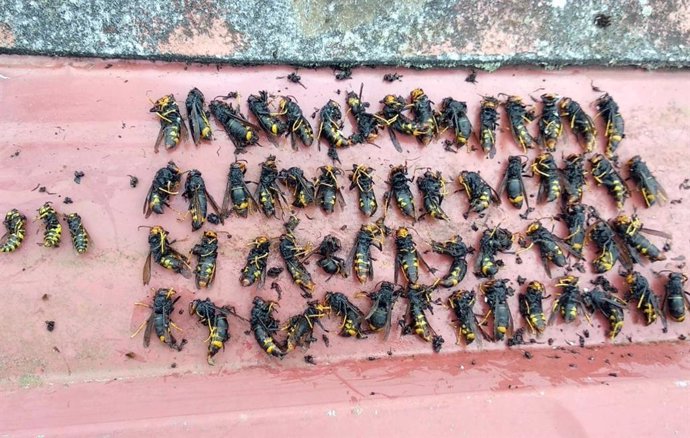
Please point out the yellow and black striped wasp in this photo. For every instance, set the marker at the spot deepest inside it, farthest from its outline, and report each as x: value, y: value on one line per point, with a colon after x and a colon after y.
x: 646, y: 300
x: 159, y: 321
x: 605, y: 175
x: 368, y: 124
x: 519, y: 116
x: 407, y: 258
x: 580, y: 123
x: 615, y: 126
x: 382, y: 302
x: 215, y: 318
x: 392, y: 116
x: 359, y: 258
x: 418, y: 302
x: 425, y: 123
x: 329, y: 262
x: 300, y: 328
x: 552, y: 249
x: 531, y: 308
x: 550, y: 124
x: 549, y: 177
x: 362, y: 178
x: 265, y: 326
x: 513, y: 183
x: 162, y: 253
x: 255, y: 268
x: 272, y: 125
x: 51, y: 221
x: 198, y: 197
x: 206, y: 252
x: 327, y: 189
x: 568, y: 301
x: 676, y: 298
x: 197, y: 116
x: 237, y: 193
x: 468, y: 328
x: 15, y: 223
x: 268, y: 194
x: 575, y: 219
x: 172, y: 128
x: 493, y: 241
x: 298, y: 127
x: 652, y: 192
x: 456, y: 249
x: 488, y: 122
x: 479, y: 192
x: 165, y: 183
x: 573, y: 179
x: 353, y: 317
x: 80, y: 237
x: 302, y: 188
x: 611, y: 248
x: 292, y: 255
x: 399, y: 190
x: 433, y: 188
x: 609, y: 305
x: 454, y: 116
x: 496, y: 293
x: 631, y: 230
x: 242, y: 133
x: 331, y: 127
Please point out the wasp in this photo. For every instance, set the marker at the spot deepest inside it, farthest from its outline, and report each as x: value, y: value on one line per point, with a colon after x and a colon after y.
x: 611, y: 248
x: 242, y: 133
x: 425, y: 124
x: 359, y: 258
x: 272, y: 125
x: 298, y: 127
x: 574, y: 217
x: 265, y: 326
x: 300, y: 328
x: 352, y: 316
x: 237, y: 192
x: 631, y: 230
x: 551, y: 247
x: 531, y: 307
x: 647, y: 300
x: 172, y: 126
x: 488, y: 122
x: 604, y: 174
x: 573, y: 178
x: 676, y: 298
x: 216, y: 320
x: 268, y: 193
x: 400, y: 190
x: 291, y: 253
x: 456, y: 249
x: 496, y: 293
x: 549, y: 177
x: 382, y: 302
x: 419, y: 301
x: 255, y: 268
x: 368, y: 124
x: 512, y: 182
x: 80, y: 237
x: 462, y: 303
x: 615, y: 127
x: 362, y: 178
x: 580, y: 123
x: 395, y: 120
x: 479, y: 192
x: 162, y: 253
x: 519, y: 117
x: 331, y: 127
x: 327, y: 189
x: 609, y: 305
x: 491, y: 243
x: 198, y: 197
x: 160, y: 321
x: 329, y: 262
x: 15, y: 223
x: 53, y: 231
x: 433, y: 188
x: 207, y: 253
x: 550, y: 125
x: 568, y: 301
x: 407, y: 258
x: 199, y: 125
x: 164, y: 184
x: 646, y: 183
x: 302, y: 188
x: 454, y: 116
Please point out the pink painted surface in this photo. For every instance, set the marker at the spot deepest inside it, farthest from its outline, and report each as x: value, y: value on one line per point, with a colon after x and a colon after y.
x: 63, y: 115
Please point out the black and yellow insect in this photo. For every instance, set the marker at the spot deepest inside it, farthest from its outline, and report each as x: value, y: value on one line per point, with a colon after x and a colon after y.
x: 353, y: 318
x: 216, y: 320
x: 241, y: 132
x: 165, y: 183
x: 433, y: 189
x: 611, y: 248
x: 399, y: 189
x: 206, y: 252
x: 462, y: 302
x: 512, y: 182
x: 676, y: 298
x: 493, y: 241
x: 425, y: 123
x: 604, y: 174
x: 392, y: 116
x: 456, y: 249
x: 272, y: 125
x: 237, y: 193
x: 329, y: 262
x: 159, y: 321
x: 292, y: 255
x: 80, y: 237
x: 646, y: 300
x: 302, y: 188
x: 300, y: 328
x: 496, y: 293
x: 575, y: 219
x: 609, y: 305
x: 531, y: 307
x: 368, y: 124
x: 327, y: 189
x: 172, y: 128
x: 382, y: 303
x: 198, y: 198
x: 573, y: 179
x: 162, y: 253
x: 53, y: 228
x: 631, y: 230
x: 568, y: 301
x: 15, y: 223
x: 268, y: 194
x: 615, y: 126
x: 298, y: 127
x: 265, y: 326
x: 550, y: 124
x: 331, y: 128
x: 454, y: 116
x: 580, y: 123
x: 519, y: 116
x: 418, y: 302
x: 362, y: 178
x: 197, y: 116
x: 549, y: 178
x: 407, y: 258
x: 488, y: 122
x: 254, y: 269
x: 552, y: 248
x: 479, y: 192
x: 359, y: 258
x: 652, y: 192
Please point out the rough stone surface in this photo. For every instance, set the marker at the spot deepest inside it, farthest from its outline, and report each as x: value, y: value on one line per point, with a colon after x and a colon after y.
x: 431, y: 33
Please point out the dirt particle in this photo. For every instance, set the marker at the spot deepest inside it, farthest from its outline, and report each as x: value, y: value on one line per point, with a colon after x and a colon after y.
x: 276, y: 287
x: 130, y: 355
x: 213, y: 218
x: 392, y: 77
x: 173, y: 365
x: 67, y: 200
x: 521, y: 280
x: 45, y: 297
x: 602, y: 21
x: 133, y: 181
x: 527, y: 355
x: 309, y: 359
x: 472, y: 77
x: 682, y: 337
x: 274, y: 272
x: 78, y: 175
x: 613, y: 374
x: 50, y: 325
x: 326, y: 340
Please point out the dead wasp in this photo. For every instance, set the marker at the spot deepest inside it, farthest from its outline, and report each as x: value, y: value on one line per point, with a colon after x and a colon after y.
x: 265, y: 326
x: 331, y: 117
x: 392, y: 116
x: 454, y: 116
x: 549, y: 178
x: 15, y: 223
x: 676, y: 298
x: 198, y: 198
x: 550, y: 125
x: 580, y: 123
x: 392, y: 77
x: 631, y: 230
x: 199, y: 125
x: 353, y: 318
x: 206, y: 252
x: 173, y: 128
x: 575, y: 219
x: 611, y: 248
x: 647, y: 301
x: 433, y: 188
x: 609, y: 305
x: 519, y: 116
x: 242, y: 133
x: 302, y: 188
x: 328, y: 190
x: 160, y: 321
x: 496, y: 293
x: 368, y: 124
x: 646, y: 183
x: 255, y: 268
x: 604, y: 174
x: 568, y: 301
x: 51, y: 221
x: 462, y: 303
x: 291, y: 254
x: 573, y: 180
x: 382, y: 302
x: 399, y: 189
x: 272, y: 125
x: 298, y: 127
x: 237, y: 192
x: 329, y: 262
x: 300, y: 328
x: 216, y: 320
x: 268, y: 194
x: 479, y: 192
x: 456, y: 249
x: 615, y: 126
x: 164, y: 184
x: 80, y: 237
x: 362, y: 178
x: 488, y: 122
x: 491, y: 243
x: 512, y: 182
x: 551, y: 247
x: 407, y: 258
x: 531, y: 307
x: 418, y: 302
x: 359, y: 258
x: 162, y: 253
x: 425, y: 123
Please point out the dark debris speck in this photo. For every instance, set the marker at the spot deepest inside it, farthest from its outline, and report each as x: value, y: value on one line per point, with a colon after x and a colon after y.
x: 50, y: 325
